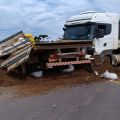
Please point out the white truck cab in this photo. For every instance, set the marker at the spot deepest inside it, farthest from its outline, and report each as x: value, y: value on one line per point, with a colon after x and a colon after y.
x: 101, y: 28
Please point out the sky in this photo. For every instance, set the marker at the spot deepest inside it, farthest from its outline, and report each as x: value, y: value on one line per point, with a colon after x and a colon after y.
x: 46, y: 16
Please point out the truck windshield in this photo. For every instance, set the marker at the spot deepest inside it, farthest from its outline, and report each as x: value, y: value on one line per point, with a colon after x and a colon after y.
x: 79, y: 32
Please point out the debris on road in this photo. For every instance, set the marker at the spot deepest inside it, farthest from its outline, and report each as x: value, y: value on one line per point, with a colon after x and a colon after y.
x: 96, y: 73
x: 110, y: 76
x: 69, y: 69
x: 37, y: 74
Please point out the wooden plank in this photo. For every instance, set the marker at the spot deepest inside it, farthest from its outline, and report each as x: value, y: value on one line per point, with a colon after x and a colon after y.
x: 10, y: 40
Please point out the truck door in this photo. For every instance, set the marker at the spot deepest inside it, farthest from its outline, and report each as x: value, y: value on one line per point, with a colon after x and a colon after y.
x: 104, y: 38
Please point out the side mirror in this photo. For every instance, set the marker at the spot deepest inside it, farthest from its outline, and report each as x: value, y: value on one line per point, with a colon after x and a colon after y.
x: 101, y: 33
x: 64, y: 28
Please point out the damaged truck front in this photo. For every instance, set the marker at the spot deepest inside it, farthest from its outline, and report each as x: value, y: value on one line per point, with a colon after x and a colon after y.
x: 102, y: 29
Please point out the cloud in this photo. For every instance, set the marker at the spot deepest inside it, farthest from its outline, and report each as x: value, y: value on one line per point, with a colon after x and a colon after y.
x: 107, y: 5
x: 45, y: 16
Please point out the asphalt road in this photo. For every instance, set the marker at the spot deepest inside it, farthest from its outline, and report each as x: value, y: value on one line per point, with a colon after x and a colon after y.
x: 97, y: 101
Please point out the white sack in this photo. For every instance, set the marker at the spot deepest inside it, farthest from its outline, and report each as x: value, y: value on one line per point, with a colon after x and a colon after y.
x: 37, y: 74
x: 87, y: 56
x: 69, y: 69
x: 110, y: 76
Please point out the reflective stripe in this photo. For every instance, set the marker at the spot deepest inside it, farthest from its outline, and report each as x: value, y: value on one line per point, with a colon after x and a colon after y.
x: 67, y: 63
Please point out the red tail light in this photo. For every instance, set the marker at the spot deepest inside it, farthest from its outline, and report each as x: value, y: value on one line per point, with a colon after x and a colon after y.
x: 53, y: 57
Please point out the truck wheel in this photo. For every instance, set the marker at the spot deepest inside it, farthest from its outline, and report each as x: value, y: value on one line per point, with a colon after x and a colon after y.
x: 106, y: 61
x: 105, y: 65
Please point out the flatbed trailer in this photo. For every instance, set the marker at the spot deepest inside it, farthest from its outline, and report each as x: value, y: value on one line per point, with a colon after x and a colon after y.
x: 44, y: 54
x: 63, y: 53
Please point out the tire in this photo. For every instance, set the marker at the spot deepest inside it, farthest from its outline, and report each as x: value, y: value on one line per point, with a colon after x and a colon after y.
x: 105, y: 65
x: 106, y: 60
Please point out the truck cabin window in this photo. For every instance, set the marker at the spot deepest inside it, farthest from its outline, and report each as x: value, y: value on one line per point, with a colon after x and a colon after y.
x: 105, y: 27
x: 78, y: 32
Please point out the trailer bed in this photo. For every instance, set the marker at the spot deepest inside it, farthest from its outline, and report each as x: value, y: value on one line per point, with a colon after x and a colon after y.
x: 63, y: 44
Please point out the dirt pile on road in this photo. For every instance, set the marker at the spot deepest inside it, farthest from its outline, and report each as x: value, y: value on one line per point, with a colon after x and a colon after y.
x: 13, y: 85
x: 52, y: 79
x: 82, y: 74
